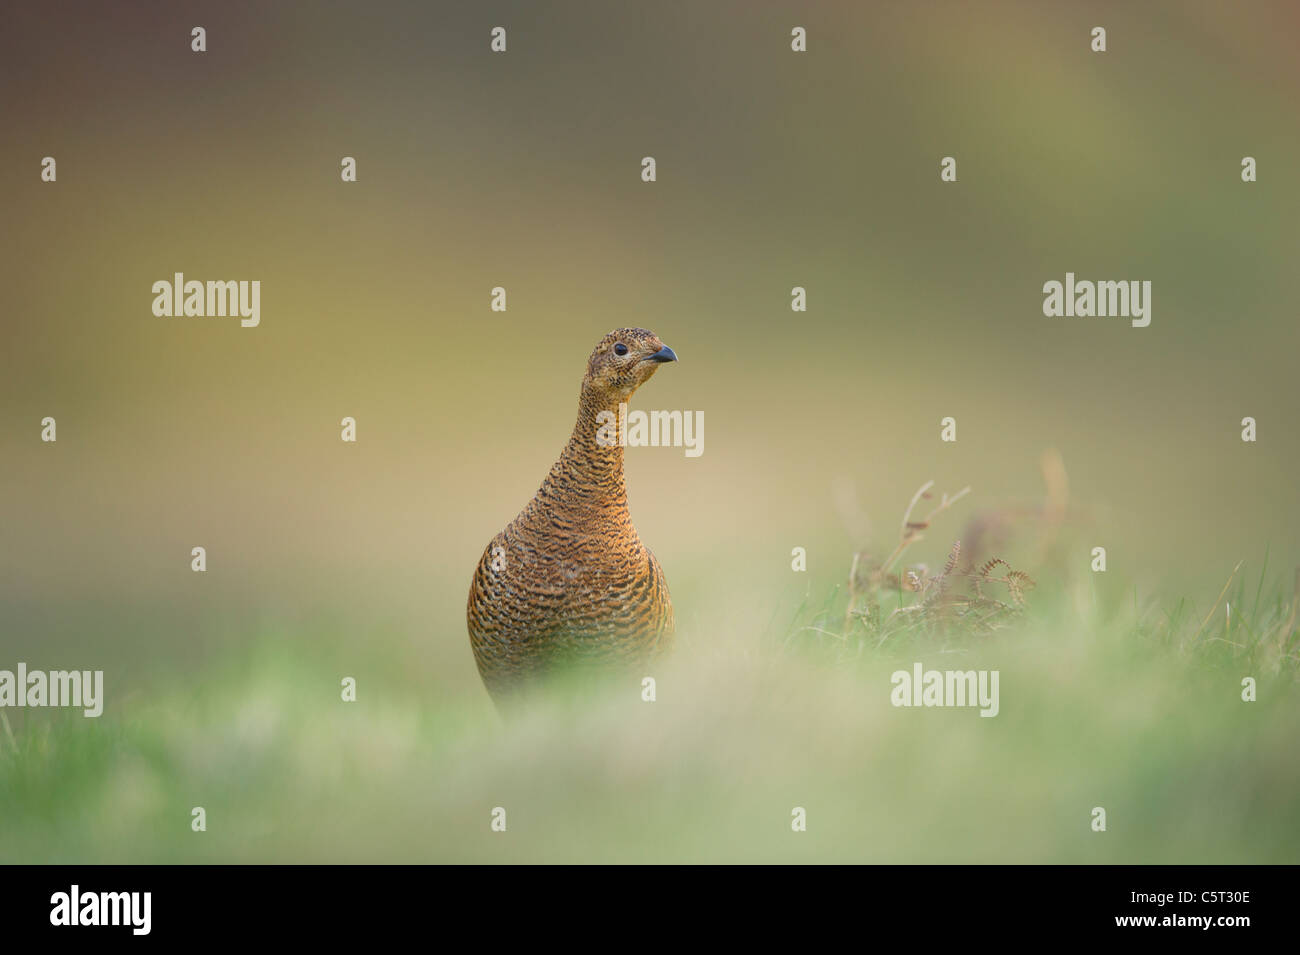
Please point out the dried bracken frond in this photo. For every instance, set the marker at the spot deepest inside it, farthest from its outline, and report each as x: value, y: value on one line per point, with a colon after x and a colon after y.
x: 1017, y: 583
x: 881, y: 577
x: 958, y: 597
x: 990, y: 565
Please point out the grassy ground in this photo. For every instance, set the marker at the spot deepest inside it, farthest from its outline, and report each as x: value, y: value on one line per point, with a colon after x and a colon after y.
x: 1134, y: 709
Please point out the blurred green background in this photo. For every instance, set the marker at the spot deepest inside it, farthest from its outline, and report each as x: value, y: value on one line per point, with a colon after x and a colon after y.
x: 522, y: 170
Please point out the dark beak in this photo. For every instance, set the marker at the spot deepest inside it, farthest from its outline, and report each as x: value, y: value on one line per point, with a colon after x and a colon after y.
x: 663, y: 354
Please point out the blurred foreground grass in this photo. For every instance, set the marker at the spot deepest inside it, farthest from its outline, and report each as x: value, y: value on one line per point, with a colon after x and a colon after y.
x: 1122, y: 708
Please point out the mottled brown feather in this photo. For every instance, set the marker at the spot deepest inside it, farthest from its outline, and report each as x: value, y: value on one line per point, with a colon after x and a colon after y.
x: 571, y: 582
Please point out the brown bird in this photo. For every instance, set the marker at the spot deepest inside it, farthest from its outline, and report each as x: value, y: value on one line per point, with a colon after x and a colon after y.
x: 569, y: 581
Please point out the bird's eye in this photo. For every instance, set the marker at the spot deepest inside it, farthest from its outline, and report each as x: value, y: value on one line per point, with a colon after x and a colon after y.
x: 620, y: 349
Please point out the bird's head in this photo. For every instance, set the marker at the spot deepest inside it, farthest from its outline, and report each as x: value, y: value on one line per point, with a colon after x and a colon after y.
x: 623, y: 361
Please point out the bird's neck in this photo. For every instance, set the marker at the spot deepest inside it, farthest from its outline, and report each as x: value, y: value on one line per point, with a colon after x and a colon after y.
x: 589, y: 473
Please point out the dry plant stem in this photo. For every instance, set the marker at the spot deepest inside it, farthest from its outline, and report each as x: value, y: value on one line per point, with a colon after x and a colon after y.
x: 1218, y: 601
x: 907, y: 514
x: 853, y: 593
x: 908, y: 534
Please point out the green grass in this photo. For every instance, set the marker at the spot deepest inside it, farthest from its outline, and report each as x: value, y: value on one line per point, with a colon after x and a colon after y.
x: 1134, y: 709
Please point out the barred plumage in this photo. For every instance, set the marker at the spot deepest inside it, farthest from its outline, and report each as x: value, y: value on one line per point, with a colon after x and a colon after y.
x: 568, y: 580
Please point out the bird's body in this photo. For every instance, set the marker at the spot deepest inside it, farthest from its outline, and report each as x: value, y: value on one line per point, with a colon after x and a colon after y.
x: 568, y: 582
